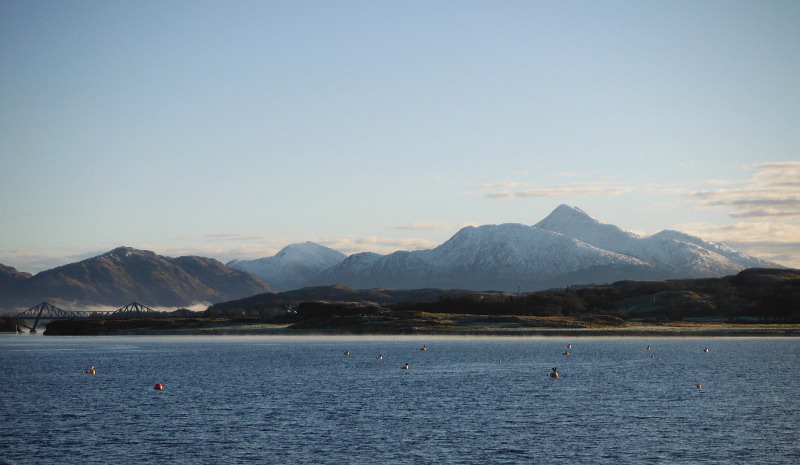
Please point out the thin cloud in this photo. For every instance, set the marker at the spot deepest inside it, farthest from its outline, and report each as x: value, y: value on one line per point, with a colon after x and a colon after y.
x: 502, y: 185
x: 239, y: 237
x: 420, y: 226
x: 773, y: 191
x: 775, y: 166
x: 565, y: 190
x: 382, y: 245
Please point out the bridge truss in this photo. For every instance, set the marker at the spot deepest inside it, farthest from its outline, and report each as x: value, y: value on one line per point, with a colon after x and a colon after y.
x: 48, y: 312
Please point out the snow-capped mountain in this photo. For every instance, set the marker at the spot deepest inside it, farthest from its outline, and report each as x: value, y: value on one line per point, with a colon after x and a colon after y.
x: 293, y: 266
x: 567, y: 247
x: 676, y: 254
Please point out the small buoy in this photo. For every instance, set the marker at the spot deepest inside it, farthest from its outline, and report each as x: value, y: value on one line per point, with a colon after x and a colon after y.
x: 404, y: 367
x: 91, y: 371
x: 699, y: 385
x: 554, y: 374
x: 158, y: 387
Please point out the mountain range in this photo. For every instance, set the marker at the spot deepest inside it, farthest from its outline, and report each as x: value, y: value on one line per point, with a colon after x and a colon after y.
x: 568, y: 247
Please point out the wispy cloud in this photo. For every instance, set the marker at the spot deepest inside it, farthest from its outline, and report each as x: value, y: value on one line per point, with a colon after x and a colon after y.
x: 786, y: 233
x: 503, y: 185
x: 772, y: 192
x: 766, y: 207
x: 421, y: 226
x: 238, y: 237
x: 381, y: 245
x: 562, y: 190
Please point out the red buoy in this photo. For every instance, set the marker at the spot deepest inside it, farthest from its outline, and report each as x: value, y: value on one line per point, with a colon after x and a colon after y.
x: 158, y: 387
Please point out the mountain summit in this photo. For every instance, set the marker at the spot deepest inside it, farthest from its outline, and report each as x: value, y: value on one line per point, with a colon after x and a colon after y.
x: 293, y: 266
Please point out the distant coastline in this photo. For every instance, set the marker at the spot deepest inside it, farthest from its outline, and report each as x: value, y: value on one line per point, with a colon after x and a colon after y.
x: 756, y: 302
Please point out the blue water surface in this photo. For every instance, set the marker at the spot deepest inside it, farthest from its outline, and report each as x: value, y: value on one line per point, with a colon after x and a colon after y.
x: 296, y: 400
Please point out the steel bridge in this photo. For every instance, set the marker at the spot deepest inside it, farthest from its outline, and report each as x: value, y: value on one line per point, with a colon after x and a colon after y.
x: 48, y: 312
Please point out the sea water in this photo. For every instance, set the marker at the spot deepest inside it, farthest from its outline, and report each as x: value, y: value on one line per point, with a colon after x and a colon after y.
x: 297, y: 400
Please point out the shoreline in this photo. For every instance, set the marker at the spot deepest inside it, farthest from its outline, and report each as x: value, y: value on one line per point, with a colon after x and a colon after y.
x: 674, y: 329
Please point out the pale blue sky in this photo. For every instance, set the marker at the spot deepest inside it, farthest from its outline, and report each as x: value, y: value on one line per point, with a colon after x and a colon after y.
x: 232, y: 129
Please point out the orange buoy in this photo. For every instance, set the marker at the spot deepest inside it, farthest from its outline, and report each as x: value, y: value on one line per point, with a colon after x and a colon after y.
x: 91, y: 371
x: 158, y: 387
x: 699, y: 385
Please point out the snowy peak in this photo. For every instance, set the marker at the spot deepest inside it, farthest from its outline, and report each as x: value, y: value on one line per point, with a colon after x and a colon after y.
x: 523, y: 246
x: 309, y: 251
x: 676, y: 254
x: 123, y: 252
x: 574, y: 222
x: 566, y: 215
x: 293, y: 266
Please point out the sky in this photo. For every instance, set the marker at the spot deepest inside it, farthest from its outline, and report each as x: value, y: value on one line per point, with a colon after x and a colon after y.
x: 233, y: 129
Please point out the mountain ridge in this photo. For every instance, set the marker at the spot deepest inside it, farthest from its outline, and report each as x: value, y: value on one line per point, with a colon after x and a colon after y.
x: 125, y: 274
x: 567, y: 247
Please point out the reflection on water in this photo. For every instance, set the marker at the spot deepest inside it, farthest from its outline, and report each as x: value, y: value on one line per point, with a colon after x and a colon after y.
x: 264, y: 399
